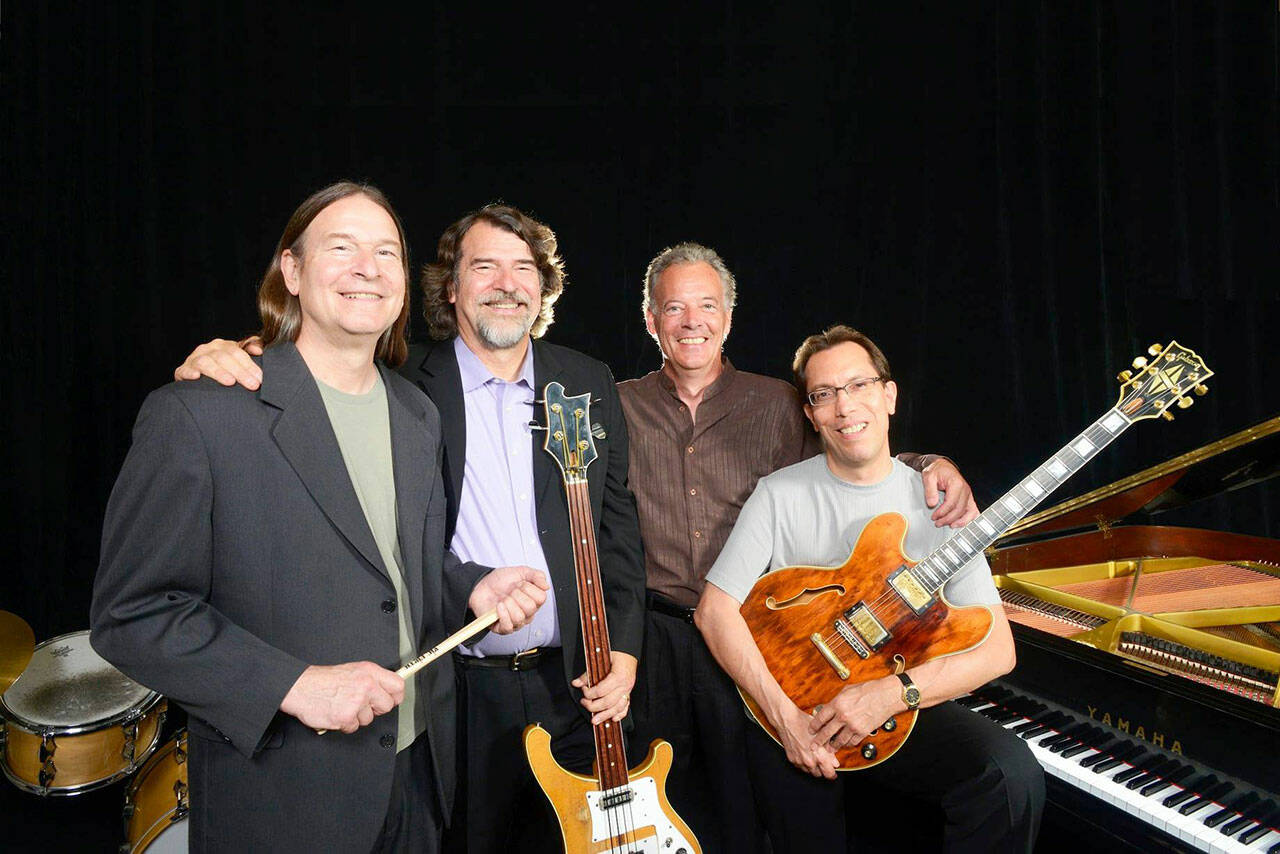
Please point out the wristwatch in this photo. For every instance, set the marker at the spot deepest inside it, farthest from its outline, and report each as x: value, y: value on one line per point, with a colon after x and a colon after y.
x: 910, y: 693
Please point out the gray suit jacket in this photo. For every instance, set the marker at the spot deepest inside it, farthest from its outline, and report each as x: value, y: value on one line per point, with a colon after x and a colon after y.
x: 235, y: 554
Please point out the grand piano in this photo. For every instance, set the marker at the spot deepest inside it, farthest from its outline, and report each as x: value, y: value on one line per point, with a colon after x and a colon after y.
x: 1148, y: 676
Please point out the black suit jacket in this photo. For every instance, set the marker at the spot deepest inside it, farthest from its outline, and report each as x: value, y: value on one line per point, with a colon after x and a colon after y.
x: 235, y: 554
x: 434, y: 368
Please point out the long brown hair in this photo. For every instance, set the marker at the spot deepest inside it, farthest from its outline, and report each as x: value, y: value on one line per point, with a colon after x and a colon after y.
x: 440, y: 277
x: 279, y: 310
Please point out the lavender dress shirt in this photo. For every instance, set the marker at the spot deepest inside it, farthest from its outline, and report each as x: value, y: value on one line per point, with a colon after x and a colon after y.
x: 497, y: 519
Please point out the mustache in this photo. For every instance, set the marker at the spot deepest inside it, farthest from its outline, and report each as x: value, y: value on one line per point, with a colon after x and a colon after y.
x: 505, y: 296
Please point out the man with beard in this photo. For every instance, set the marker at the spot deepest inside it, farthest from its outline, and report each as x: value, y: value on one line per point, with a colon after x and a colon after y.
x: 487, y: 297
x: 702, y: 433
x: 263, y: 549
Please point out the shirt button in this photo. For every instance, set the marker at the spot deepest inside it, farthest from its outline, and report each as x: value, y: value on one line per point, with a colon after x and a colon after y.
x: 693, y: 492
x: 387, y: 741
x: 689, y: 449
x: 697, y: 534
x: 388, y: 606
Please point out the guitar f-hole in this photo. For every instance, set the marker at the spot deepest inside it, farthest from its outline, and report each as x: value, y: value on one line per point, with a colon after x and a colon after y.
x: 804, y: 597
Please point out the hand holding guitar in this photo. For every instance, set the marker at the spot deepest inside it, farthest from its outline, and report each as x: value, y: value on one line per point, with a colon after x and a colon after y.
x: 610, y: 698
x: 855, y: 712
x: 802, y: 750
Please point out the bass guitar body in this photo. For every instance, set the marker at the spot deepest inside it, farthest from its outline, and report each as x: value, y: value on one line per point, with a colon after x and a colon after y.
x: 823, y: 629
x: 636, y: 817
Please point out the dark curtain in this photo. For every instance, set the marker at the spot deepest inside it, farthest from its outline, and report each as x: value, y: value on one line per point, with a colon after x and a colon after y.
x: 1013, y: 199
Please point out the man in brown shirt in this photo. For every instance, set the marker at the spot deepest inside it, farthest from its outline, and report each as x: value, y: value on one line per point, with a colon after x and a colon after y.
x: 702, y: 433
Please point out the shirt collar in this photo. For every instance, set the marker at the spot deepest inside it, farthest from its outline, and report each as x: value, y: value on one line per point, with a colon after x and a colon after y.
x: 727, y: 372
x: 474, y: 374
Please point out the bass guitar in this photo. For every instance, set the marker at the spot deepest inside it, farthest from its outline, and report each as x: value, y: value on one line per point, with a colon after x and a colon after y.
x: 821, y: 629
x: 617, y: 810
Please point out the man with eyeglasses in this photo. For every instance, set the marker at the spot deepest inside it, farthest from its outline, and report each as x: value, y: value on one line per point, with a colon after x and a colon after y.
x: 702, y: 435
x: 988, y: 784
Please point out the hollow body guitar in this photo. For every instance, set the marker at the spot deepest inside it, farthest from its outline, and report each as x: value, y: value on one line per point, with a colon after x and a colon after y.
x: 822, y: 629
x: 619, y: 811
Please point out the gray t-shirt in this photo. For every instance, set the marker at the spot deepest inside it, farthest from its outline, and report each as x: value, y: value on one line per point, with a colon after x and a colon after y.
x: 803, y: 515
x: 362, y: 424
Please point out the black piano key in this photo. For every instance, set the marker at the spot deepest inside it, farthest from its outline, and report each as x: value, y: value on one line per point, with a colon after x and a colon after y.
x: 1250, y: 814
x: 972, y: 701
x: 1135, y: 768
x: 1116, y: 757
x: 1256, y: 832
x: 1192, y: 790
x: 1034, y: 722
x: 1056, y: 719
x: 1274, y: 849
x: 1005, y: 716
x: 1238, y: 805
x: 1066, y: 735
x: 1165, y: 781
x: 1105, y: 752
x: 1081, y: 736
x: 1153, y: 772
x: 1210, y: 795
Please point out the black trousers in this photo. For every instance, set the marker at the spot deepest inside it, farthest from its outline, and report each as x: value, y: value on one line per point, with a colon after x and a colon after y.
x: 683, y: 696
x: 500, y: 805
x: 413, y: 821
x: 983, y: 783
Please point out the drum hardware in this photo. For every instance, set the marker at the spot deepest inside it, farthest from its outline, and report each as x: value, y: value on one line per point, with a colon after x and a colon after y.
x: 157, y: 802
x: 72, y: 723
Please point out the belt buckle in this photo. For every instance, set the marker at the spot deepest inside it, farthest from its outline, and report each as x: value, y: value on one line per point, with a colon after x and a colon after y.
x: 526, y: 659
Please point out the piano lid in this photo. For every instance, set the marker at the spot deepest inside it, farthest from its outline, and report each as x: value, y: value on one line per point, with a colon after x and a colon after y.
x: 1239, y: 460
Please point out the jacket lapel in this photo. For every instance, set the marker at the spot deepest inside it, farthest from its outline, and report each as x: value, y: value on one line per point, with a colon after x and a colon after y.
x: 305, y: 437
x: 411, y: 454
x: 442, y: 382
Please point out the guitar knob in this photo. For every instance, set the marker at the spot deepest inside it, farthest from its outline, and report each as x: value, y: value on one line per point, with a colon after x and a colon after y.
x: 1202, y: 389
x: 1184, y: 402
x: 868, y: 751
x: 889, y: 725
x: 1124, y: 376
x: 1154, y: 349
x: 1167, y: 415
x: 1140, y: 362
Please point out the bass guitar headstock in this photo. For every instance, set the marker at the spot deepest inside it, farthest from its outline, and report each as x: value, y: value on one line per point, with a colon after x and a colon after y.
x: 569, y: 439
x: 1170, y: 376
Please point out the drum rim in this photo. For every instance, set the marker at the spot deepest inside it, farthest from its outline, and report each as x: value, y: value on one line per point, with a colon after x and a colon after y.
x: 169, y: 816
x: 27, y: 725
x: 81, y: 788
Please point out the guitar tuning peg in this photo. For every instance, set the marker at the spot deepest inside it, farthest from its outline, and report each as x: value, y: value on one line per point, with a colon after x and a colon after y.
x: 1140, y: 362
x: 1184, y: 402
x: 1167, y: 415
x: 1154, y: 349
x: 1202, y: 389
x: 1124, y: 376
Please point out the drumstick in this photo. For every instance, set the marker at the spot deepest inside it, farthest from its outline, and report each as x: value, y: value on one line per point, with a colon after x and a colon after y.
x: 482, y: 622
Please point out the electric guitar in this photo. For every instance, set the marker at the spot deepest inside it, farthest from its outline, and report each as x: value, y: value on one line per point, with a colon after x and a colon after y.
x: 616, y: 811
x: 820, y: 629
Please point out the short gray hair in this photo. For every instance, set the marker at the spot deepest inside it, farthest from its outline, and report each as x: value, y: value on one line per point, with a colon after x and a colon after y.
x: 689, y: 253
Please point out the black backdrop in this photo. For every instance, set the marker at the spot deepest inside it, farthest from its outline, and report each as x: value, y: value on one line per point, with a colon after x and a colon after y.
x: 1014, y: 199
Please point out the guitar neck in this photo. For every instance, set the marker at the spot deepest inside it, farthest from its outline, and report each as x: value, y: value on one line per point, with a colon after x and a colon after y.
x: 611, y: 757
x: 947, y: 560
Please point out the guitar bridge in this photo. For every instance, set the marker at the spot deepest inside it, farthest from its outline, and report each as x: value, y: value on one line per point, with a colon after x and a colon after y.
x: 870, y: 629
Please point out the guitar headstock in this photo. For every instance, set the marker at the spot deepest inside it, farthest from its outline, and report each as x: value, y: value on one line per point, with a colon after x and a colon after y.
x: 1169, y: 377
x: 569, y: 438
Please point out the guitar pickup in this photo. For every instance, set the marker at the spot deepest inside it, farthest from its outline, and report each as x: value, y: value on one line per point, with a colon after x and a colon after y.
x: 870, y: 629
x: 910, y: 590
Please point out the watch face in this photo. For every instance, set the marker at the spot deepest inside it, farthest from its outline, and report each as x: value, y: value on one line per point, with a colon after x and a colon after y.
x: 912, y: 696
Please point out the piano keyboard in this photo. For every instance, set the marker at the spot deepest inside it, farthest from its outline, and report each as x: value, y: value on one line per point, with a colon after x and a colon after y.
x: 1197, y: 807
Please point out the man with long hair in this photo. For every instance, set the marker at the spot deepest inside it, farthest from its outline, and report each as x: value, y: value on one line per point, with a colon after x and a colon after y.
x: 268, y: 560
x: 488, y: 298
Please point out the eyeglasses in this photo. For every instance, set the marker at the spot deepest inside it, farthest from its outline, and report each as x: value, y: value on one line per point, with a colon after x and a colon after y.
x: 857, y: 389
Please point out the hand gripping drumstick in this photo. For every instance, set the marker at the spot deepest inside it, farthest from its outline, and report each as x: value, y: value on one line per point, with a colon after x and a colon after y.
x: 446, y: 645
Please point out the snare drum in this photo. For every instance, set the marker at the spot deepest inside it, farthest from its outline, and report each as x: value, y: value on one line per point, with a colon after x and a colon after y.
x: 73, y: 723
x: 156, y: 803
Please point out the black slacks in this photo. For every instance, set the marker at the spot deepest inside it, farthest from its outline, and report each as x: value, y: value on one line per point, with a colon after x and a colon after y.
x: 413, y: 821
x: 985, y: 780
x: 683, y: 696
x: 501, y: 807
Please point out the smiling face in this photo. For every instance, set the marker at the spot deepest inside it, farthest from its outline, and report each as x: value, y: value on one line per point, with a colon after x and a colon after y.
x: 498, y: 291
x: 349, y: 277
x: 689, y: 318
x: 854, y: 430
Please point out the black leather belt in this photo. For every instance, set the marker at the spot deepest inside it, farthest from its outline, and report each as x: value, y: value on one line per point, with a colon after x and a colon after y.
x: 527, y: 660
x: 663, y: 605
